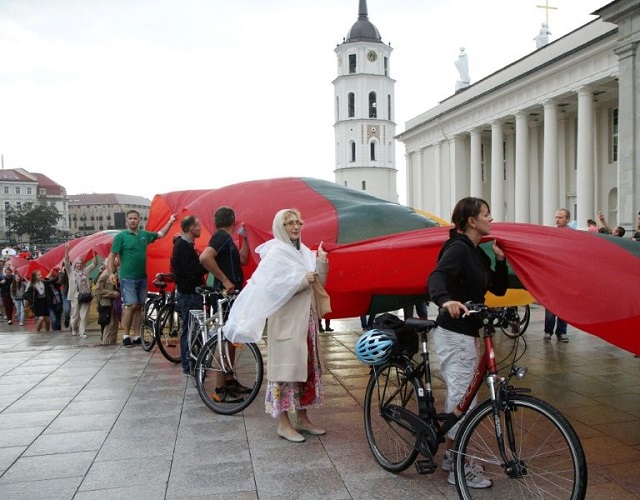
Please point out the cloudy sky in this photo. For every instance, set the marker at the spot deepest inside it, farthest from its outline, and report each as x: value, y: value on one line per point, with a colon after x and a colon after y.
x: 150, y: 96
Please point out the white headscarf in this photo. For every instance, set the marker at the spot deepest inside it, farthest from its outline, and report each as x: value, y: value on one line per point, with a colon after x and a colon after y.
x: 281, y: 271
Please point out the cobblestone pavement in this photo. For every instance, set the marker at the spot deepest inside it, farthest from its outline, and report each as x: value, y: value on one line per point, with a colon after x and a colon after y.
x: 80, y: 421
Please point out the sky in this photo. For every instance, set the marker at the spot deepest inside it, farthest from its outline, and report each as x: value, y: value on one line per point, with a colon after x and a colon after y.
x: 145, y: 97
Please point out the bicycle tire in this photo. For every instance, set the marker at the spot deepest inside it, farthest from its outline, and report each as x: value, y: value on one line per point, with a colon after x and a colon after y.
x: 518, y: 322
x: 168, y: 331
x: 195, y: 346
x: 538, y: 438
x: 148, y: 334
x: 248, y: 370
x: 392, y: 441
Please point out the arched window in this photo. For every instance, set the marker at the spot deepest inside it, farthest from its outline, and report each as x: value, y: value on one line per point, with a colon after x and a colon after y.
x: 372, y: 105
x: 364, y: 185
x: 352, y: 104
x: 372, y: 149
x: 389, y: 107
x: 352, y: 151
x: 337, y: 108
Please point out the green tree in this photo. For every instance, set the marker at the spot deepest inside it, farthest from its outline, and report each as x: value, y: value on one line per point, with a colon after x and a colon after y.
x: 38, y: 222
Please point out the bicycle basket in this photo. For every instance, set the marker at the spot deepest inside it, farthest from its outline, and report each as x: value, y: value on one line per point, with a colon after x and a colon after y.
x: 407, y: 340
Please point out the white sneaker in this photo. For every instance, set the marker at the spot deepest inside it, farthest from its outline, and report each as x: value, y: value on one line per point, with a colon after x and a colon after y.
x: 83, y: 336
x: 474, y: 477
x: 447, y: 462
x: 74, y: 333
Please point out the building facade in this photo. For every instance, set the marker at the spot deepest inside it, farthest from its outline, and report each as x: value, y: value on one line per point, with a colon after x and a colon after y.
x: 90, y: 213
x: 557, y: 128
x: 364, y: 112
x: 22, y: 189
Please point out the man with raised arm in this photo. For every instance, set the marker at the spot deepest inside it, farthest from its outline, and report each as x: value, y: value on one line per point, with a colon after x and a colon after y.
x: 130, y: 245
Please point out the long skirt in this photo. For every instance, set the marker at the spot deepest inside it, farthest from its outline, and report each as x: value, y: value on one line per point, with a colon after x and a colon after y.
x: 285, y: 396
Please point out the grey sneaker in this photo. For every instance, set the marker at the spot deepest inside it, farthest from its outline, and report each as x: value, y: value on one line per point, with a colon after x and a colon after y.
x: 474, y: 477
x: 547, y: 336
x: 447, y: 462
x: 563, y: 338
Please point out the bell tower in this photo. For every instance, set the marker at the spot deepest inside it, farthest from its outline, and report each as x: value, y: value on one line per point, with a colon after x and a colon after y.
x: 364, y: 103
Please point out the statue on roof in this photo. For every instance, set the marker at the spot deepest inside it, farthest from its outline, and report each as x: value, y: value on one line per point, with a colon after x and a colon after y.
x: 462, y: 64
x: 543, y: 36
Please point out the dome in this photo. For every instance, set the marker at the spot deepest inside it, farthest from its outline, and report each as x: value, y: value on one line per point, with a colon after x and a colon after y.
x: 363, y: 29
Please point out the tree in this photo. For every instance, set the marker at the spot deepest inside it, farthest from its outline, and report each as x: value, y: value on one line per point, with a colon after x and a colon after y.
x: 38, y: 222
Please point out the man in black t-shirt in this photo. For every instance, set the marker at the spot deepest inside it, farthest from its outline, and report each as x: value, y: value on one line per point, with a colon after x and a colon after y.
x: 221, y: 257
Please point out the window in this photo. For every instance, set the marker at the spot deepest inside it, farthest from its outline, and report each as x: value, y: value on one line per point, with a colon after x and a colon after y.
x: 352, y: 105
x: 372, y: 150
x: 6, y: 190
x: 29, y: 190
x: 352, y: 148
x: 613, y: 155
x: 364, y: 185
x: 17, y: 189
x: 389, y: 107
x: 29, y: 205
x: 352, y: 63
x: 337, y: 108
x: 386, y: 66
x: 372, y: 105
x: 7, y: 205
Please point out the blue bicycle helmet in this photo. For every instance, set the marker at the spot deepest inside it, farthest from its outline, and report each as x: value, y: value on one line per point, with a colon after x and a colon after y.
x: 374, y: 347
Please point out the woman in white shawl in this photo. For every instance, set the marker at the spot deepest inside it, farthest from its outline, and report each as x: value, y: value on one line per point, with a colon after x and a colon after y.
x: 284, y: 288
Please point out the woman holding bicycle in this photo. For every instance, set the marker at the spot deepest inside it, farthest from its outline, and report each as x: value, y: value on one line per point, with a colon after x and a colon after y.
x: 463, y: 273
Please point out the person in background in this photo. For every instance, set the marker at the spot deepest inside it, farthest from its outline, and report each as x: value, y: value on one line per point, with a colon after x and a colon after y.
x: 551, y: 321
x: 63, y: 283
x: 421, y: 308
x: 463, y: 273
x: 6, y: 279
x: 636, y: 235
x: 327, y: 326
x: 130, y: 246
x: 592, y: 226
x: 56, y: 303
x: 107, y: 294
x: 189, y: 274
x: 18, y: 288
x: 38, y: 299
x: 78, y: 283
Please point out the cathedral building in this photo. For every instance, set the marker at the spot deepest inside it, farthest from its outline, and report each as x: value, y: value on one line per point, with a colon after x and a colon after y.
x: 559, y: 128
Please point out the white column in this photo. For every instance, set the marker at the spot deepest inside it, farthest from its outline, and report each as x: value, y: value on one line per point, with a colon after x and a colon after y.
x: 437, y: 181
x: 418, y: 189
x: 584, y: 179
x: 497, y: 172
x: 408, y: 157
x: 523, y: 186
x: 475, y: 174
x: 550, y: 196
x: 534, y: 172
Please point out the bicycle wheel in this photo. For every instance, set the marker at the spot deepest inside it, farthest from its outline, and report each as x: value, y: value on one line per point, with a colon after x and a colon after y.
x: 519, y: 317
x: 195, y: 345
x: 391, y: 439
x: 245, y: 363
x: 147, y: 334
x: 169, y: 328
x: 544, y: 455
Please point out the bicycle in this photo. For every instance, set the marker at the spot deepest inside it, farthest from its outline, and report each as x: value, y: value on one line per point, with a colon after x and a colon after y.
x: 200, y: 322
x: 526, y: 447
x: 153, y: 304
x: 228, y: 375
x: 518, y: 320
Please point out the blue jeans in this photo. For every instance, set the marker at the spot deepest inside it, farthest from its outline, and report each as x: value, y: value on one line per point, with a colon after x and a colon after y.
x: 551, y: 321
x: 186, y: 302
x: 133, y: 291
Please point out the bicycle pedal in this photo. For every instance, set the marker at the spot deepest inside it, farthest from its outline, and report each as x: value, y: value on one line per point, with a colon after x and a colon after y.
x: 426, y: 466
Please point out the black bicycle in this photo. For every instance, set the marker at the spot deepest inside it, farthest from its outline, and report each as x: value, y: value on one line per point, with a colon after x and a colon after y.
x: 155, y: 301
x: 517, y: 320
x: 524, y: 446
